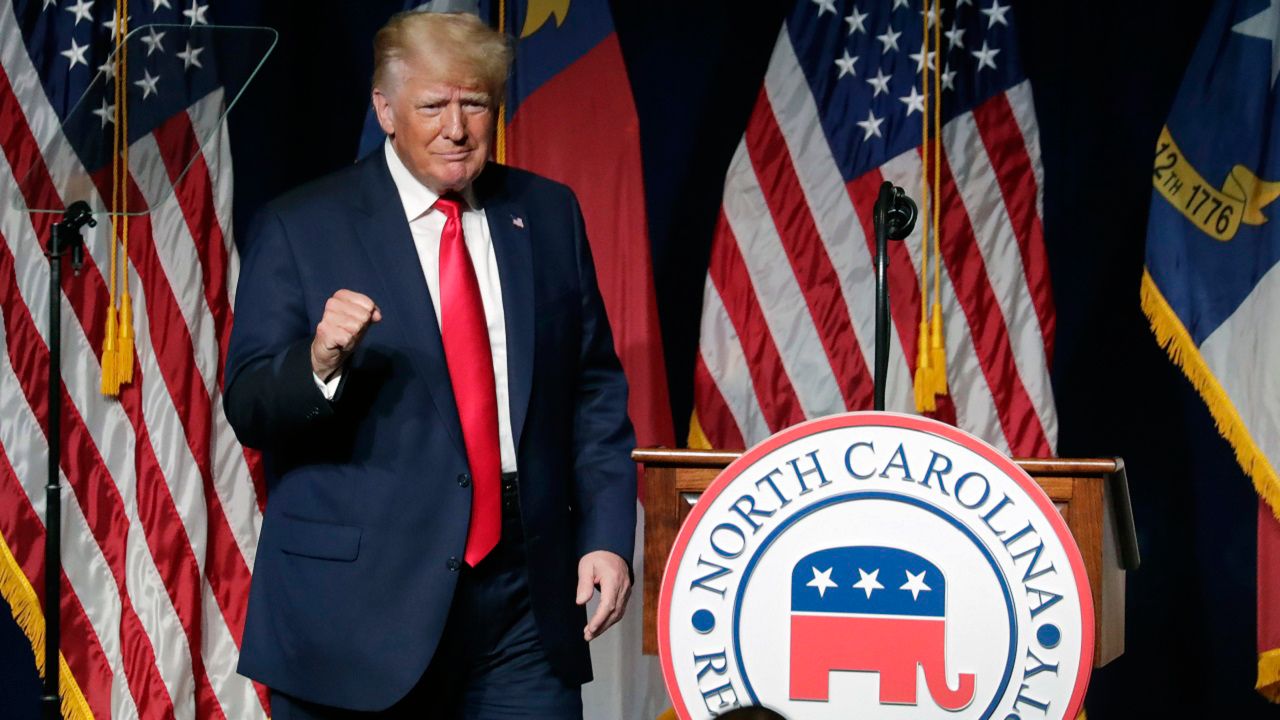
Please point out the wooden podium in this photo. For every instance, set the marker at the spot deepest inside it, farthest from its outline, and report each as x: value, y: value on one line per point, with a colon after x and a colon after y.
x: 1091, y: 494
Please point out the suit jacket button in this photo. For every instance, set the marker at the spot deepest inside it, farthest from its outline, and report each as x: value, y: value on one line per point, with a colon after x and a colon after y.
x: 464, y: 480
x: 453, y: 564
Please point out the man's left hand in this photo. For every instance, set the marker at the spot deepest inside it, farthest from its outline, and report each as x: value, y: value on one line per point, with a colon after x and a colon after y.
x: 607, y: 571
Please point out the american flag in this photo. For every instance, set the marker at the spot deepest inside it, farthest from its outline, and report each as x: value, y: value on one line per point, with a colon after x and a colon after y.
x: 161, y: 505
x: 787, y: 321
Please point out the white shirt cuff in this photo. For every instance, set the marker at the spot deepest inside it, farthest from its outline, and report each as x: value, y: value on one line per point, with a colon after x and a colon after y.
x: 328, y: 389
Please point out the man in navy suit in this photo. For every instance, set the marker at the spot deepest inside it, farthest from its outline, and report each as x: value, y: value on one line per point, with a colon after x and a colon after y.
x: 421, y: 351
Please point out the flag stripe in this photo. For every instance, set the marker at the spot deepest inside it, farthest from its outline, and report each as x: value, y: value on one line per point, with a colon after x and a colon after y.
x: 1007, y: 152
x: 1018, y: 419
x: 727, y: 365
x: 779, y: 294
x: 86, y: 476
x: 779, y: 401
x: 814, y: 272
x: 86, y: 660
x: 997, y: 244
x: 719, y: 416
x: 850, y: 243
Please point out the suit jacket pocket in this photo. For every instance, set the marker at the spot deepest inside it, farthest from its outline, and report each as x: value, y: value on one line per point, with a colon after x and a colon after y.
x: 322, y: 540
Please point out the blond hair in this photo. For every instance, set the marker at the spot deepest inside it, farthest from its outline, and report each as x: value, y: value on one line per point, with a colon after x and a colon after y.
x: 460, y: 46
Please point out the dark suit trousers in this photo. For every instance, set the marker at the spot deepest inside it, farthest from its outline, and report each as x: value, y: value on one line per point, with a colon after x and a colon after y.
x: 490, y: 664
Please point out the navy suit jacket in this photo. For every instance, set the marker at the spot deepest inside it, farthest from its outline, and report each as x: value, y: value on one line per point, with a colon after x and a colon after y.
x: 368, y: 494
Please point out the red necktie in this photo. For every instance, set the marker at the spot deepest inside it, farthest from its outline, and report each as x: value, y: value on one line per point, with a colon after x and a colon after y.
x: 470, y: 360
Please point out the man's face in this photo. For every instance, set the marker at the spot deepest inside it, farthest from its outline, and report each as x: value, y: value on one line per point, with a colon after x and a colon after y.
x: 441, y: 128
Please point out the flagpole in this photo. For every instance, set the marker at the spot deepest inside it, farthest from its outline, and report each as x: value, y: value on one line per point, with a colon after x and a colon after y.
x: 65, y: 239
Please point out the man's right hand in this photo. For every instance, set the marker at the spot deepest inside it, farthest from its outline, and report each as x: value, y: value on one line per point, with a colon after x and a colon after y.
x: 347, y: 315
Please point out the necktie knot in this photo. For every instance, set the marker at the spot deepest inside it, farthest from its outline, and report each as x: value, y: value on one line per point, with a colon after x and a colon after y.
x: 450, y: 205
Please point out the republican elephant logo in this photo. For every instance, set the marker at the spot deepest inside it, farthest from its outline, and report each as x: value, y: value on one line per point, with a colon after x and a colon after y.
x: 871, y: 609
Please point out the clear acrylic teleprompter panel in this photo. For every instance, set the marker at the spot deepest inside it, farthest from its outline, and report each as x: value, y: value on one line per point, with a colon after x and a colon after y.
x: 180, y: 83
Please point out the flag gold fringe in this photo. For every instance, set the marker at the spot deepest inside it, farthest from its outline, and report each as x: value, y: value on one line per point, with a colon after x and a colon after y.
x: 1174, y: 338
x: 697, y: 438
x: 25, y: 605
x: 1269, y: 675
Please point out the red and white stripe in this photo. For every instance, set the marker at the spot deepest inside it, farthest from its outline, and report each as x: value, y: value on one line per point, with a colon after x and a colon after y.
x: 788, y: 308
x: 163, y: 507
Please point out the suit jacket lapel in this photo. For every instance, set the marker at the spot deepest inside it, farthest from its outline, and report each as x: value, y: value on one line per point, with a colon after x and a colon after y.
x: 514, y: 251
x: 406, y: 302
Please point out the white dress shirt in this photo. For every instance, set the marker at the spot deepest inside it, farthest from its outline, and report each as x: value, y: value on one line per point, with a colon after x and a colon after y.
x: 426, y: 224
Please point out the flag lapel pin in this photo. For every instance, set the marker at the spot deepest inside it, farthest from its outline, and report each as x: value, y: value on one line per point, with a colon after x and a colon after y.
x: 517, y: 221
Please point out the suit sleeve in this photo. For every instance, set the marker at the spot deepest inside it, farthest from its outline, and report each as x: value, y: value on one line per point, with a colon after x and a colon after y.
x: 270, y: 395
x: 605, y: 475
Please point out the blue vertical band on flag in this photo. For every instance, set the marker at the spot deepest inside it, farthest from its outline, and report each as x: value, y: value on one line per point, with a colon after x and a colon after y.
x: 1212, y: 246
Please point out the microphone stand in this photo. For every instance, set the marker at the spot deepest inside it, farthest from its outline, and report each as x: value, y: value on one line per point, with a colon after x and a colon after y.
x: 895, y: 216
x: 66, y: 239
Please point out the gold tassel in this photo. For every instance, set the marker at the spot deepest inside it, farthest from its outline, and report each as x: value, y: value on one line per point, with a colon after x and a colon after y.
x: 110, y: 356
x: 937, y: 352
x: 124, y: 350
x: 924, y: 373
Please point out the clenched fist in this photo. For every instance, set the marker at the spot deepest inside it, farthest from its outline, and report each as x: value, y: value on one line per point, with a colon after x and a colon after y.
x: 347, y: 315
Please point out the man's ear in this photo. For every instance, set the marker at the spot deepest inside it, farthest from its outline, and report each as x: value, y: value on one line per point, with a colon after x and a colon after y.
x: 382, y: 108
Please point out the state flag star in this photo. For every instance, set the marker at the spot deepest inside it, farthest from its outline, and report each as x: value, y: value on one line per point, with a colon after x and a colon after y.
x: 880, y: 82
x: 152, y: 41
x: 196, y: 13
x: 108, y: 68
x: 1265, y: 25
x: 821, y: 580
x: 75, y: 54
x: 868, y: 581
x: 845, y: 63
x: 919, y: 58
x: 948, y: 78
x: 856, y: 21
x: 889, y: 40
x: 915, y: 583
x: 157, y: 4
x: 825, y: 6
x: 82, y: 10
x: 955, y: 37
x: 48, y: 4
x: 148, y: 84
x: 986, y: 56
x: 190, y: 56
x: 962, y: 3
x: 914, y: 101
x: 107, y: 113
x: 995, y: 14
x: 900, y: 3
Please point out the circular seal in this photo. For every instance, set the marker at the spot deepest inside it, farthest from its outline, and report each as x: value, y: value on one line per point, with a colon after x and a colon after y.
x: 876, y: 565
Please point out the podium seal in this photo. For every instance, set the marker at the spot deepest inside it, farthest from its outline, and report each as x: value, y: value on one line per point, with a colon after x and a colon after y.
x: 876, y: 565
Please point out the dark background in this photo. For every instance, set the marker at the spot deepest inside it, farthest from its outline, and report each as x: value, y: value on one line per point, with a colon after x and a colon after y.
x: 1104, y: 76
